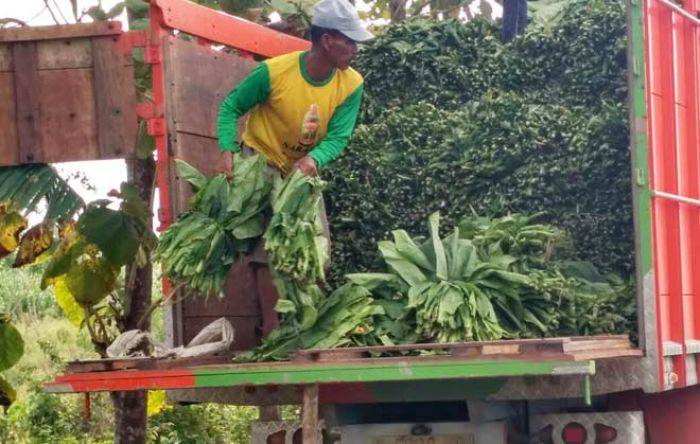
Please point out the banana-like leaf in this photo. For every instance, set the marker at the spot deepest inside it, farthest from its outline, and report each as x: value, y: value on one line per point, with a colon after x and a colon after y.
x: 26, y: 186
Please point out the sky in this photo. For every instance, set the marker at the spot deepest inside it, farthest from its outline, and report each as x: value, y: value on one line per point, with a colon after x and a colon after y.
x: 103, y: 175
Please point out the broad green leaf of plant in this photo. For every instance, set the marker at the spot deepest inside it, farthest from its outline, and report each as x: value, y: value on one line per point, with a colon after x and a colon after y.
x: 11, y: 226
x: 11, y: 344
x: 114, y: 232
x: 91, y: 277
x: 136, y: 6
x: 406, y: 269
x: 191, y: 175
x: 7, y: 393
x: 438, y: 248
x: 285, y: 306
x: 73, y: 311
x: 36, y: 241
x: 61, y: 258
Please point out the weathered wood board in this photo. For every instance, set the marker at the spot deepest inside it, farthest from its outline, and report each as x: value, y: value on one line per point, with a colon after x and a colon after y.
x: 67, y: 93
x: 197, y: 79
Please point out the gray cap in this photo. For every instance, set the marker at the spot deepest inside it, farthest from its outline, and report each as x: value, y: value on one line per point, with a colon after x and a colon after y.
x: 341, y: 16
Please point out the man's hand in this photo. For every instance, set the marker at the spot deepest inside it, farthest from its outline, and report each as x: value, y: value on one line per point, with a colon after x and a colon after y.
x: 306, y: 165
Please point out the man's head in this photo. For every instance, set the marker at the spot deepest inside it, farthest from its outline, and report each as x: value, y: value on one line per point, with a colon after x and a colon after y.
x: 336, y: 29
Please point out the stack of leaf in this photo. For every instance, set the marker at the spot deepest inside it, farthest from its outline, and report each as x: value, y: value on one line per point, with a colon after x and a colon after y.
x: 297, y: 247
x: 298, y: 251
x: 224, y: 223
x: 489, y: 279
x: 347, y: 312
x: 456, y: 120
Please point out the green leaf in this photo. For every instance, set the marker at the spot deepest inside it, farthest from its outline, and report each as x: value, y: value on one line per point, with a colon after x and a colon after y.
x: 438, y: 249
x: 70, y: 307
x: 114, y: 232
x: 406, y: 269
x: 115, y: 10
x: 91, y: 277
x: 191, y: 174
x: 285, y: 306
x: 97, y: 13
x: 7, y: 393
x: 137, y: 6
x: 371, y: 281
x: 11, y: 344
x: 410, y: 250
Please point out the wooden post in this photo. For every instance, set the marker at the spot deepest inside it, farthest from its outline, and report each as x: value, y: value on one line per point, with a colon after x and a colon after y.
x: 309, y: 415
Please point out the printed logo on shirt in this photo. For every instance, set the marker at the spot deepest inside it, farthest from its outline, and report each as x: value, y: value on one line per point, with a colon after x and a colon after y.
x: 309, y: 128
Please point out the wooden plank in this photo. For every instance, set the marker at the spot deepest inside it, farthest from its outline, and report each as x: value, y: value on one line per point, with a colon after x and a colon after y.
x: 114, y: 364
x: 196, y: 93
x: 9, y: 143
x: 597, y: 344
x: 606, y: 354
x: 115, y: 100
x: 445, y: 346
x: 245, y: 329
x: 28, y: 33
x: 240, y: 296
x: 540, y: 349
x: 27, y: 99
x: 6, y: 58
x: 309, y: 415
x: 68, y: 123
x: 64, y: 54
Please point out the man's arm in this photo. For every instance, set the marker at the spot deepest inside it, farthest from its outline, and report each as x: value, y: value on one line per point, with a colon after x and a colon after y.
x: 339, y: 130
x: 251, y: 91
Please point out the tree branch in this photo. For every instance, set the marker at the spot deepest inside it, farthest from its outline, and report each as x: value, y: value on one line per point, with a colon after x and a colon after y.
x: 53, y: 16
x: 159, y: 302
x: 9, y: 20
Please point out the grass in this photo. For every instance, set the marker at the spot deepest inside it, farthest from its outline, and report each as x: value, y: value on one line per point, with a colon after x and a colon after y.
x: 51, y: 341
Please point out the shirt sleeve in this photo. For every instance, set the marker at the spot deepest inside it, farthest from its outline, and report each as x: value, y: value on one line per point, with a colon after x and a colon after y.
x: 339, y: 130
x: 250, y: 92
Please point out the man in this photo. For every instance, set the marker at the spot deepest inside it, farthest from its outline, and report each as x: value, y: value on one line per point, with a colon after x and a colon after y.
x: 303, y: 108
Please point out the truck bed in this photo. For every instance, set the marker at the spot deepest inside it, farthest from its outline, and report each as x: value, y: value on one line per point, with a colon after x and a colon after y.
x: 494, y: 359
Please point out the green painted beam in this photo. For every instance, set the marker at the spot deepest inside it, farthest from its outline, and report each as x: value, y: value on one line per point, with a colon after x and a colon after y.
x: 640, y: 143
x: 400, y: 370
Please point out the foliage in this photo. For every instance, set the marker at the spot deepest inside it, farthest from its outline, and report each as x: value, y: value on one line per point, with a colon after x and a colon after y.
x: 11, y: 349
x: 37, y: 417
x: 491, y: 127
x: 223, y: 223
x: 488, y: 279
x: 446, y: 63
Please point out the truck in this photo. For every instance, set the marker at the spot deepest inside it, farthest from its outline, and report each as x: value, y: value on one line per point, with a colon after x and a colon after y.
x: 601, y: 389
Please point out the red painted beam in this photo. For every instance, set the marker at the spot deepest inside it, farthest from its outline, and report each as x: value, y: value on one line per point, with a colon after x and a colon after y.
x: 218, y: 27
x: 124, y: 380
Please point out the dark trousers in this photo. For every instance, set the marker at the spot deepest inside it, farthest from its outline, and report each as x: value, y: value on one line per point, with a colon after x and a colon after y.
x: 514, y: 19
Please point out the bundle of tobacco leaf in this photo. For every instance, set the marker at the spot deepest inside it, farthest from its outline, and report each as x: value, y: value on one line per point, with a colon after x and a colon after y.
x: 225, y: 222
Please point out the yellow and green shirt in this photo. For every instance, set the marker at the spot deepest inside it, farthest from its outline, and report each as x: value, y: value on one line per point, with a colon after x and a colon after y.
x: 279, y: 93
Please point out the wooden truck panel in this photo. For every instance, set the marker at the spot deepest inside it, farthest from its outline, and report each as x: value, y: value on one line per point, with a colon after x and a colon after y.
x: 67, y: 94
